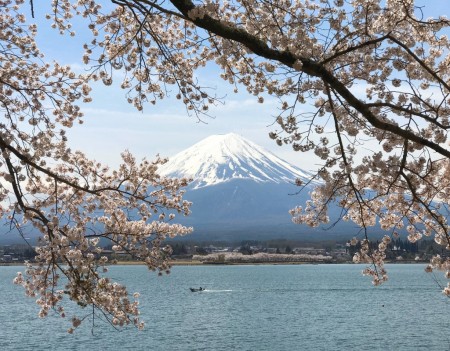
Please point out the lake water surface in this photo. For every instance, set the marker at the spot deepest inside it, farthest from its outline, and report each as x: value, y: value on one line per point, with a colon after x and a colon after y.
x: 263, y: 307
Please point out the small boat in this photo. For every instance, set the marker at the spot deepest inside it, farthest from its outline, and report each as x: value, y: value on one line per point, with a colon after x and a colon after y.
x: 196, y: 290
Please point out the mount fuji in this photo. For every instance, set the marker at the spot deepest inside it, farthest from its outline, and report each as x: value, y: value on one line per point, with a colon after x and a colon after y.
x: 240, y: 191
x: 222, y: 158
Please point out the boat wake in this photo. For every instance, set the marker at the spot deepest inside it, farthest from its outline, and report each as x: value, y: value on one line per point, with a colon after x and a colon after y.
x: 214, y: 291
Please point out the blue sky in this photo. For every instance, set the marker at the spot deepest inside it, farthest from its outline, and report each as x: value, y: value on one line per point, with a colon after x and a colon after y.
x: 112, y: 125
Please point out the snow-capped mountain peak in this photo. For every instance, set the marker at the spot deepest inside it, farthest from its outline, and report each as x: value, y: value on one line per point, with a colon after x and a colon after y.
x: 221, y: 158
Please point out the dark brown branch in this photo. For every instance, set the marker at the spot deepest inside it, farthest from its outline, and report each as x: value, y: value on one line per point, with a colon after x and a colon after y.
x: 409, y: 111
x: 32, y: 8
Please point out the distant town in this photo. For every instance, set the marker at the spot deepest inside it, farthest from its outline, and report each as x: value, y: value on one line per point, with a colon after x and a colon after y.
x: 273, y: 251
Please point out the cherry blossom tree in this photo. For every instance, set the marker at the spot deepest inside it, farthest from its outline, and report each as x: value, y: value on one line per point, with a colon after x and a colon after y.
x: 75, y: 203
x: 362, y: 84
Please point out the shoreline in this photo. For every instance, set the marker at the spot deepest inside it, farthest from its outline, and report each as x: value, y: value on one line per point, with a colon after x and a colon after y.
x: 188, y: 262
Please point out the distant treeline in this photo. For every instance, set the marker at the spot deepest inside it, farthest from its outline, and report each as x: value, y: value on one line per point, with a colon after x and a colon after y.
x: 403, y: 247
x: 398, y: 247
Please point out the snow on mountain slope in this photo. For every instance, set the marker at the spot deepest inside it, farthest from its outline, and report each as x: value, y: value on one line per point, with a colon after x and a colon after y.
x: 221, y: 158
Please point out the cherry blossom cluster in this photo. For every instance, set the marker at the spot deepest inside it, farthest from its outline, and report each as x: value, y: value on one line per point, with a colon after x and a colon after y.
x: 77, y: 205
x: 375, y: 258
x: 80, y: 203
x: 441, y: 264
x: 155, y: 50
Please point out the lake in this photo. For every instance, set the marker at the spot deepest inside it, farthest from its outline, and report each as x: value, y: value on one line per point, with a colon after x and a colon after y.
x: 261, y: 307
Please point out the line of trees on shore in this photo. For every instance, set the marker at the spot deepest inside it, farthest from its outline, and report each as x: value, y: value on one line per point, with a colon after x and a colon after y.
x: 397, y: 247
